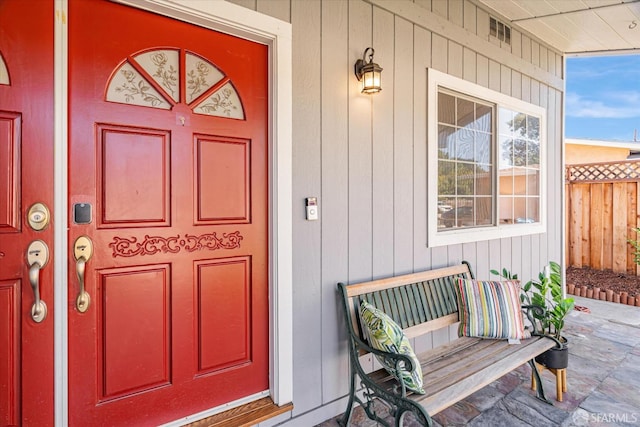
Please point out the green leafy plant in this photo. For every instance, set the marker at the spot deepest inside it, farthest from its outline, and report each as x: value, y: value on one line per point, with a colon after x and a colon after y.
x: 545, y: 294
x: 636, y: 246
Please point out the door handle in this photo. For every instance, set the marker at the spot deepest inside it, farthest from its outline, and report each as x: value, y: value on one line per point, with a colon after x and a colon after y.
x: 37, y: 258
x: 82, y: 251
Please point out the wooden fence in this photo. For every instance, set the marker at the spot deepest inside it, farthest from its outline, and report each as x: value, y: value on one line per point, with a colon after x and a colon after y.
x: 602, y: 209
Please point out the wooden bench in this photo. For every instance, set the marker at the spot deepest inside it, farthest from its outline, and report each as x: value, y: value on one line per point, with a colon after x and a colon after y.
x: 422, y: 303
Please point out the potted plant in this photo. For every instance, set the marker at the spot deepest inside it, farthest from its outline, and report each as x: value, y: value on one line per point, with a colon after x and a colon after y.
x: 548, y: 309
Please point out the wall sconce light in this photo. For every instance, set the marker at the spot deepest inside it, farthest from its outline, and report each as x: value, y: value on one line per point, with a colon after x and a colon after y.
x: 368, y: 73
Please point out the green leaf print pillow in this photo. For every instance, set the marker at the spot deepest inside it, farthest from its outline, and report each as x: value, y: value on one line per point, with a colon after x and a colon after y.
x: 385, y: 334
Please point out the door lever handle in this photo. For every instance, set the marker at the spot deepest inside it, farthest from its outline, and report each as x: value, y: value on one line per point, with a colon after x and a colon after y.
x: 37, y: 258
x: 82, y: 251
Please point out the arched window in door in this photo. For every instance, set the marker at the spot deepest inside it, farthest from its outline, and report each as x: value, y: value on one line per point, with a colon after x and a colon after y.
x: 4, y: 73
x: 161, y: 78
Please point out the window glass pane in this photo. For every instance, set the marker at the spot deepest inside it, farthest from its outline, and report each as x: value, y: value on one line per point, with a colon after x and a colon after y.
x: 464, y: 144
x: 484, y: 214
x: 465, y: 113
x: 446, y: 142
x: 533, y: 182
x: 483, y: 147
x: 446, y: 178
x: 465, y: 215
x: 533, y: 128
x: 506, y: 182
x: 506, y: 152
x: 518, y: 124
x: 461, y: 215
x: 505, y: 210
x: 446, y: 108
x: 520, y: 210
x: 445, y: 204
x: 519, y: 149
x: 505, y: 118
x: 464, y: 179
x: 447, y: 219
x: 484, y: 118
x: 533, y: 209
x: 520, y: 181
x: 533, y: 154
x: 484, y: 180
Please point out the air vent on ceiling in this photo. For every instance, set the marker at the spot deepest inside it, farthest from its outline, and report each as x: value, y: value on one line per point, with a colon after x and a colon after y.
x: 499, y: 30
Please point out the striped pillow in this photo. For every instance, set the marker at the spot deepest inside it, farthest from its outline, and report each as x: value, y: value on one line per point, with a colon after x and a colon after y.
x: 490, y: 309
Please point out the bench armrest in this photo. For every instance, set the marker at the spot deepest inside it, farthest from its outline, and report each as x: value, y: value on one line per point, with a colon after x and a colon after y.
x: 393, y: 359
x: 534, y: 312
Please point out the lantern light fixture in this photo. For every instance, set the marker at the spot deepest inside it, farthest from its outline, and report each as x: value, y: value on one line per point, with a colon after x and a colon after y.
x: 368, y: 73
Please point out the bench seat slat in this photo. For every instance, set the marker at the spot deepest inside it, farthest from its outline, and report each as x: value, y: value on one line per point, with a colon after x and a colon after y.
x: 465, y: 366
x: 473, y: 380
x: 439, y: 374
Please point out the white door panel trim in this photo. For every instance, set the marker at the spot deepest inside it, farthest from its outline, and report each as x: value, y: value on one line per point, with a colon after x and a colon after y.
x: 241, y: 22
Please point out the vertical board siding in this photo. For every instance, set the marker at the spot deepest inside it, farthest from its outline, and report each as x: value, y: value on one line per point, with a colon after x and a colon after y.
x: 360, y: 151
x: 421, y: 61
x: 307, y: 170
x: 469, y: 16
x: 552, y: 147
x: 383, y: 150
x: 365, y: 158
x: 403, y: 210
x: 454, y: 59
x: 334, y: 204
x: 280, y: 9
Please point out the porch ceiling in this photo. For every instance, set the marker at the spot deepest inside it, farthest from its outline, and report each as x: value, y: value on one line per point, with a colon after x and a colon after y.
x: 576, y: 26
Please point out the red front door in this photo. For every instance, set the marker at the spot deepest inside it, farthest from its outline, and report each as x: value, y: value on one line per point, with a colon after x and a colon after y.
x: 168, y: 184
x: 26, y: 178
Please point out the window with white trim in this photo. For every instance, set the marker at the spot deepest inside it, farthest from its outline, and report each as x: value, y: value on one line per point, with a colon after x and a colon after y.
x: 485, y: 158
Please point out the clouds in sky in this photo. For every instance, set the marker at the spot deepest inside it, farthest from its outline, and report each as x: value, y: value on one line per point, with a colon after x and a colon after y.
x: 603, y: 97
x: 610, y: 105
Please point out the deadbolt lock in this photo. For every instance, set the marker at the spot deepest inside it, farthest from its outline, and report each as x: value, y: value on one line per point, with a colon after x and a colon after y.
x: 38, y: 216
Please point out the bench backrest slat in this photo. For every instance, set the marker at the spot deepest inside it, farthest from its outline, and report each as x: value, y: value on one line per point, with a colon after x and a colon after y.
x: 419, y: 303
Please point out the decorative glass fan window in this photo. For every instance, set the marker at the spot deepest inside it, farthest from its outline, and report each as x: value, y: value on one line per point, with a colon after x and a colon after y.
x: 159, y: 79
x: 4, y: 74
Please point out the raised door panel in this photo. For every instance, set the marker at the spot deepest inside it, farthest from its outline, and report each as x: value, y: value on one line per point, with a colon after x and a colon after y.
x: 9, y: 171
x: 134, y: 343
x: 224, y: 295
x: 223, y: 177
x: 10, y: 353
x: 134, y: 169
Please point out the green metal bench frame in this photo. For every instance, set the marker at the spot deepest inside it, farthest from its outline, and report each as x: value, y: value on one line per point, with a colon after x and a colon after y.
x: 419, y: 303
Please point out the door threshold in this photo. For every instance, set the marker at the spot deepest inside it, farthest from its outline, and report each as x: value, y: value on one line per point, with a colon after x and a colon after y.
x: 244, y: 416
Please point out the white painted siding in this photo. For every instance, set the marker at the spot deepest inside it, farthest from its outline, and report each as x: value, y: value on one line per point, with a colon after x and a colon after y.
x: 365, y: 158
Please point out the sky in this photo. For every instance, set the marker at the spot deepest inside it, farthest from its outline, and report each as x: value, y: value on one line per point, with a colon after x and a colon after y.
x: 603, y: 97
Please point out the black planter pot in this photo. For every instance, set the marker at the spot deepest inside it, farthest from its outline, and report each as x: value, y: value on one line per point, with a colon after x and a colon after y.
x: 555, y: 358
